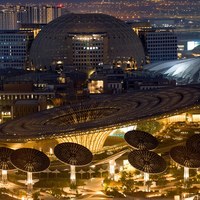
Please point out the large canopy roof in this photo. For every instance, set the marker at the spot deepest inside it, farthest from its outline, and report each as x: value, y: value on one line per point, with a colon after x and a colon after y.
x: 73, y: 154
x: 184, y: 71
x: 185, y: 157
x: 194, y: 143
x: 30, y: 160
x: 5, y: 162
x: 147, y: 161
x: 100, y: 114
x: 141, y: 140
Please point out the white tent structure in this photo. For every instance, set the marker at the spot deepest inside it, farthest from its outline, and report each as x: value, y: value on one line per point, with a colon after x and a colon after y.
x: 185, y: 71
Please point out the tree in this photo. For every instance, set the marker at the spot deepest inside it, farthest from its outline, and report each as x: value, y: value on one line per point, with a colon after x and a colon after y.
x: 56, y: 192
x: 148, y: 184
x: 36, y: 196
x: 128, y: 184
x: 106, y: 182
x: 149, y: 126
x: 161, y: 181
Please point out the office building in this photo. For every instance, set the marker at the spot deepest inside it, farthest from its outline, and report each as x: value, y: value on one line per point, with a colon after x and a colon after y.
x: 159, y: 44
x: 31, y: 28
x: 14, y: 48
x: 38, y: 14
x: 8, y: 20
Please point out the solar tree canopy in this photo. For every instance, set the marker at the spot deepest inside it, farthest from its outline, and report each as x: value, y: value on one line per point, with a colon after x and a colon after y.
x: 73, y: 154
x: 194, y: 143
x: 30, y: 160
x: 147, y: 161
x: 185, y: 157
x: 141, y: 140
x: 5, y: 162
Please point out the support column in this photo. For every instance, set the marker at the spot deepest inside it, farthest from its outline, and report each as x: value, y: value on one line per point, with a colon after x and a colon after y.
x: 50, y: 151
x: 146, y: 178
x: 4, y: 176
x: 186, y: 174
x: 29, y: 182
x: 112, y: 169
x: 73, y: 174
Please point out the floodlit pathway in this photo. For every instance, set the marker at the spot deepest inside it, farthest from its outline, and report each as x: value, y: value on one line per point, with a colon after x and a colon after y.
x: 92, y: 190
x: 46, y: 196
x: 94, y: 184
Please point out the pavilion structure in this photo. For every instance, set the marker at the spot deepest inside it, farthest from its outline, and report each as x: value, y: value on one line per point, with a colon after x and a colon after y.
x: 30, y: 161
x: 74, y: 155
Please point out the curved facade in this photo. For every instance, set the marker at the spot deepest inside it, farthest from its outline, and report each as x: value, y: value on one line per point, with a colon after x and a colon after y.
x: 196, y: 50
x: 90, y: 123
x: 85, y: 40
x: 185, y: 71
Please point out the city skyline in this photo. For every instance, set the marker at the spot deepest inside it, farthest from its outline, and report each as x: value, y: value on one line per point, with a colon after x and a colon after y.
x: 80, y: 1
x: 125, y: 9
x: 100, y: 99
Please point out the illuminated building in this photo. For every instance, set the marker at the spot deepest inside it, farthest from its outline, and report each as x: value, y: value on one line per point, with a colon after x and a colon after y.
x: 107, y: 80
x: 8, y: 20
x: 188, y: 43
x: 34, y: 28
x: 19, y: 99
x: 196, y: 51
x: 38, y: 14
x: 90, y: 123
x: 96, y: 86
x: 92, y: 49
x: 184, y: 117
x: 14, y: 47
x: 159, y: 44
x: 139, y: 26
x: 85, y: 41
x: 52, y: 13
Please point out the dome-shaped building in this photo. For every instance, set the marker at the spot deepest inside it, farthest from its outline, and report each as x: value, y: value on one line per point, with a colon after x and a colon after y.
x: 85, y: 40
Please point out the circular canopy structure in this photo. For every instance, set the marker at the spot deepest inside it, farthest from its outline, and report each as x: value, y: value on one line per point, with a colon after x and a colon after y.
x: 30, y: 160
x: 194, y: 143
x: 5, y: 163
x: 185, y: 157
x: 96, y: 115
x: 73, y: 154
x: 57, y: 41
x: 141, y: 140
x: 147, y: 161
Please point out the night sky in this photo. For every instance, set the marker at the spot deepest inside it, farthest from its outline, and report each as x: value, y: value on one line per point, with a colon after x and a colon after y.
x: 57, y: 1
x: 41, y: 1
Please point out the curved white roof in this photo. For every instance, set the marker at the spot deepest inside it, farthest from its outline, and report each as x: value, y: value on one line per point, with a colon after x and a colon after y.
x: 184, y: 71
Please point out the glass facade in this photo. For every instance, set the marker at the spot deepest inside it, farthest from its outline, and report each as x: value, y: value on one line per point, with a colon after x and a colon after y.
x: 87, y: 50
x: 13, y: 50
